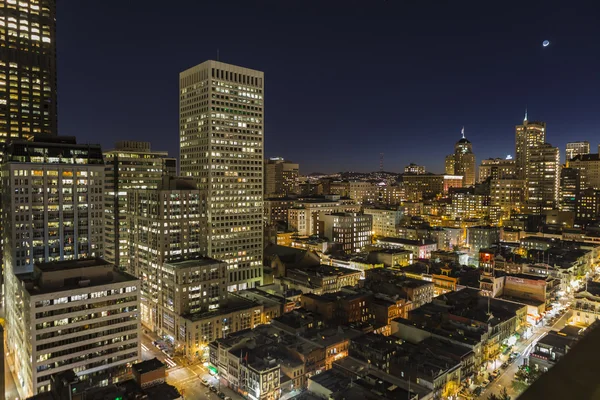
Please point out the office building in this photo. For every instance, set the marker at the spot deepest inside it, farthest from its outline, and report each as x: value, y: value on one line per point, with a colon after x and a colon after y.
x: 385, y: 220
x: 497, y: 168
x: 575, y: 149
x: 221, y: 147
x: 527, y: 136
x: 131, y: 165
x: 462, y: 162
x: 542, y: 178
x: 467, y: 205
x: 588, y: 166
x: 428, y: 185
x: 350, y: 231
x: 413, y: 168
x: 53, y: 201
x: 27, y: 69
x: 303, y: 217
x: 281, y: 178
x: 362, y: 192
x: 165, y: 224
x: 569, y: 188
x: 587, y: 205
x: 79, y: 314
x: 52, y: 209
x: 189, y: 287
x: 507, y: 197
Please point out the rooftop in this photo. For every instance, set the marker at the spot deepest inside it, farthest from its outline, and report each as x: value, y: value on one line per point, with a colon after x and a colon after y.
x: 196, y: 262
x: 147, y: 366
x: 61, y: 276
x: 233, y: 304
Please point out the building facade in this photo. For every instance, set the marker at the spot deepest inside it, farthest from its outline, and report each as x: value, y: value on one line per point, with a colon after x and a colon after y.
x: 385, y: 220
x: 131, y: 165
x: 28, y: 69
x: 575, y: 149
x: 569, y: 189
x: 527, y: 136
x: 81, y: 315
x: 221, y: 110
x: 166, y: 224
x: 350, y: 231
x: 497, y: 168
x: 281, y: 178
x: 462, y: 162
x: 543, y: 178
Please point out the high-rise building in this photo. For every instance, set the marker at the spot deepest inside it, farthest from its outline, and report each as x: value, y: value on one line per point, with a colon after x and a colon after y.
x: 569, y: 189
x: 413, y: 168
x: 221, y: 147
x: 542, y: 178
x: 281, y: 178
x: 527, y: 136
x: 27, y: 68
x: 575, y: 149
x: 462, y: 162
x: 52, y: 201
x: 507, y: 197
x: 497, y: 168
x: 131, y: 165
x: 588, y: 166
x: 166, y: 224
x: 79, y: 314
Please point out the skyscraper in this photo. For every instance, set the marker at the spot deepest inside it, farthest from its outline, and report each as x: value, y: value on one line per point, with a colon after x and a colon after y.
x: 576, y: 148
x: 281, y: 177
x: 221, y: 109
x: 131, y: 165
x: 27, y: 68
x: 527, y: 136
x: 543, y: 178
x: 462, y: 162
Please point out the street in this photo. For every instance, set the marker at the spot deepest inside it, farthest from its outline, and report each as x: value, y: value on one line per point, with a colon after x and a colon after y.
x: 506, y: 378
x: 185, y: 377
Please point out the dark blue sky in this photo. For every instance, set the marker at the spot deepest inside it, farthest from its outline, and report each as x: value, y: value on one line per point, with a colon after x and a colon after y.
x: 345, y: 80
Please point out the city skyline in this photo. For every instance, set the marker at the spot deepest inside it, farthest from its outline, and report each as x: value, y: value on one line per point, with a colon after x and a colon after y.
x: 388, y: 76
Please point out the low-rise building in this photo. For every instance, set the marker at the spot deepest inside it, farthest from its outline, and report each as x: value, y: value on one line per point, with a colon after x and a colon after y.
x: 349, y: 232
x: 385, y: 220
x: 392, y: 258
x: 549, y: 350
x: 586, y: 305
x: 197, y: 330
x: 419, y: 248
x: 320, y: 279
x: 482, y: 237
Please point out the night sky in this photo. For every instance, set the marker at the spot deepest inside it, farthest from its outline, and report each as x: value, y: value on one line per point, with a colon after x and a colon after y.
x: 345, y: 80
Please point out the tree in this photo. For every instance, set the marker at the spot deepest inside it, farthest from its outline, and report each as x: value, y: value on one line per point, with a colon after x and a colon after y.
x: 503, y: 395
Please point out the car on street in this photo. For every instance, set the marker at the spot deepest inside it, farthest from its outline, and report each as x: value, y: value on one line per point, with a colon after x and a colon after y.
x: 213, y: 388
x: 221, y: 395
x: 204, y: 381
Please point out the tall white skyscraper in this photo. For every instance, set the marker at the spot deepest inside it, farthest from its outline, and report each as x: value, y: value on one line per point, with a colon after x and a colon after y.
x: 221, y: 124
